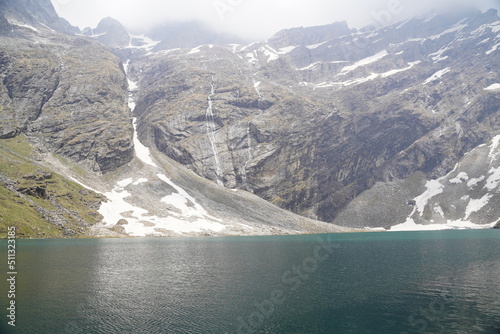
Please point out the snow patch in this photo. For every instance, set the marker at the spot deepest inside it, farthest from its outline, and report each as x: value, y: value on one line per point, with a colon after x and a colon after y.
x: 410, y: 225
x: 438, y: 75
x: 287, y: 49
x: 434, y: 187
x: 459, y: 178
x: 251, y: 57
x: 124, y: 183
x: 186, y: 197
x: 315, y: 46
x: 493, y: 180
x: 195, y: 50
x: 141, y: 151
x: 84, y: 185
x: 364, y: 62
x: 46, y: 26
x: 310, y: 66
x: 493, y: 49
x: 375, y: 229
x: 140, y: 181
x: 148, y: 43
x: 494, y: 148
x: 448, y: 31
x: 140, y: 223
x: 474, y: 182
x: 270, y: 53
x: 371, y: 77
x: 476, y: 205
x: 439, y: 210
x: 494, y: 87
x: 438, y: 56
x: 26, y: 26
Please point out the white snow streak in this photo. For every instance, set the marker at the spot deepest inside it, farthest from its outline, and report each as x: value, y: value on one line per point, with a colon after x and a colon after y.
x: 438, y: 75
x: 434, y: 187
x: 193, y: 218
x: 141, y: 151
x: 287, y: 49
x: 147, y: 43
x: 371, y: 77
x: 476, y: 205
x: 315, y: 46
x: 493, y: 180
x: 364, y: 62
x: 494, y: 87
x: 410, y: 225
x: 459, y: 178
x: 474, y: 182
x: 494, y: 148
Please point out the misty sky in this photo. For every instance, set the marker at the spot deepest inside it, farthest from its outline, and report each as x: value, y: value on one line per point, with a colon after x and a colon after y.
x: 251, y: 19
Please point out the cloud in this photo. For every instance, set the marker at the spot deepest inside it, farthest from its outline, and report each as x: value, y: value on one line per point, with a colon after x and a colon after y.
x: 252, y: 19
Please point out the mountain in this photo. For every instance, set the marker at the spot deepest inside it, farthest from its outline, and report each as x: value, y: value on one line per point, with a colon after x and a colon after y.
x: 310, y: 127
x: 71, y: 163
x: 34, y: 13
x: 110, y: 32
x: 176, y: 132
x: 60, y: 96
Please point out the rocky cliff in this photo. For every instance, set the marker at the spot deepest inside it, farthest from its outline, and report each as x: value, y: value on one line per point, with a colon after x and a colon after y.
x: 60, y: 95
x: 314, y: 117
x: 378, y: 128
x: 68, y: 94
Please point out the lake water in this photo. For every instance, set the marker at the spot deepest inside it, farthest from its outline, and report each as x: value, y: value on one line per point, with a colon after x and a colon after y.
x: 393, y: 282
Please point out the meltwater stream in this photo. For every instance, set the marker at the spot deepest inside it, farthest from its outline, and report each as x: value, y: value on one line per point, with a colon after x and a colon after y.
x: 210, y: 125
x: 400, y: 282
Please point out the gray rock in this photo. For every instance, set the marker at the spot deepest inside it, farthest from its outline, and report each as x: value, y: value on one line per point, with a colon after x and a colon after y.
x: 67, y: 93
x: 312, y: 148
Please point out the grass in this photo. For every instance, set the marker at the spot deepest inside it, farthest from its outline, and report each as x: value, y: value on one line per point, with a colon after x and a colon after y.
x: 63, y: 197
x: 18, y: 212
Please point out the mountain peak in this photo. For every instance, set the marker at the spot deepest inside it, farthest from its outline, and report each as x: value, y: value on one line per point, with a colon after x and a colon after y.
x: 111, y: 33
x: 34, y: 13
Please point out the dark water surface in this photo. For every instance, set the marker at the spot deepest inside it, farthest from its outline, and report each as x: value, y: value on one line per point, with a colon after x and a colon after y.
x: 393, y: 282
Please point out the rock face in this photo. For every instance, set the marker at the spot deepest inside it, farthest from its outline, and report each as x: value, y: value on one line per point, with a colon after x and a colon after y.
x: 35, y: 13
x: 467, y: 196
x: 377, y: 128
x: 67, y: 93
x: 314, y: 117
x: 110, y: 32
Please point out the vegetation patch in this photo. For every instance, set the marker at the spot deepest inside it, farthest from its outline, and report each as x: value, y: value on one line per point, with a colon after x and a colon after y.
x: 40, y: 203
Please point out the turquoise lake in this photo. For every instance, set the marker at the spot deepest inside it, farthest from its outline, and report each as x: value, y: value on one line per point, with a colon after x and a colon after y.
x: 392, y: 282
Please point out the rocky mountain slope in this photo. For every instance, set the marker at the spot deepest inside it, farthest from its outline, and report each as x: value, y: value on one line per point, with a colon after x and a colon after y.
x: 308, y: 126
x: 70, y: 158
x: 361, y: 128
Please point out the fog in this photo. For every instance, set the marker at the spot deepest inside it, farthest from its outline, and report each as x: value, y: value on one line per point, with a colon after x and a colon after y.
x: 253, y: 19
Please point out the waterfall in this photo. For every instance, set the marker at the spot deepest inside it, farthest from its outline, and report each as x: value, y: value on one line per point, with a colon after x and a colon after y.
x: 210, y: 124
